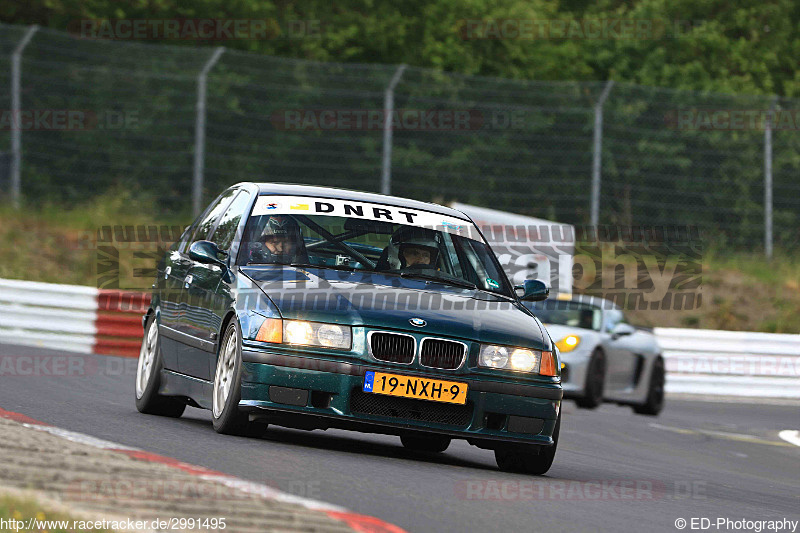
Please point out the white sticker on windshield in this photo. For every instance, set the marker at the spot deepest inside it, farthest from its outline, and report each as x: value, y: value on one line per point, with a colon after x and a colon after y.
x: 304, y: 205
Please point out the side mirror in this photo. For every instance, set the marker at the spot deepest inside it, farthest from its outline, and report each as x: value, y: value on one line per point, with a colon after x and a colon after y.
x: 622, y: 329
x: 208, y: 253
x: 533, y: 290
x: 205, y: 252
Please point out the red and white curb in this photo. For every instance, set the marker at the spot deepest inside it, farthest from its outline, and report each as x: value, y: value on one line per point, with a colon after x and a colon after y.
x: 357, y: 522
x: 72, y: 317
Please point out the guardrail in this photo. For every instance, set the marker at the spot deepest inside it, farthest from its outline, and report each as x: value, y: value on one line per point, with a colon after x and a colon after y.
x: 71, y: 317
x: 88, y: 320
x: 119, y: 322
x: 731, y: 363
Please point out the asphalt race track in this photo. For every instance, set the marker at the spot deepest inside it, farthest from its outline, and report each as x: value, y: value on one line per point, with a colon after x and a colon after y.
x: 614, y: 471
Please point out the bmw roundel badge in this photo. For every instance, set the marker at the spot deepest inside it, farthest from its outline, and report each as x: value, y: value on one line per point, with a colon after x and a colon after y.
x: 418, y: 322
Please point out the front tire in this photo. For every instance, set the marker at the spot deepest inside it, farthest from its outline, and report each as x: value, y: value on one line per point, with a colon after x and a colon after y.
x: 227, y: 390
x: 524, y: 459
x: 655, y: 391
x: 148, y: 376
x: 595, y: 382
x: 425, y: 443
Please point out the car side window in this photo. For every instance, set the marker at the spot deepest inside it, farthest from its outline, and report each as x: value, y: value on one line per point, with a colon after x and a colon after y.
x: 597, y: 318
x: 451, y: 259
x: 211, y: 216
x: 589, y: 318
x: 226, y: 230
x: 614, y: 317
x: 484, y: 273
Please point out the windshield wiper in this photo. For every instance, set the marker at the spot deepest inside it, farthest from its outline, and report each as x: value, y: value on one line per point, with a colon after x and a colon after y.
x: 456, y: 282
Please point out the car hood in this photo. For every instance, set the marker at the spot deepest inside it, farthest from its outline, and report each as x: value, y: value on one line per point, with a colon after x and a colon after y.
x: 379, y: 301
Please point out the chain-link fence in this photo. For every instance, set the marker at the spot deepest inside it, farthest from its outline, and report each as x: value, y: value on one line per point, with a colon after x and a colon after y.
x: 94, y: 114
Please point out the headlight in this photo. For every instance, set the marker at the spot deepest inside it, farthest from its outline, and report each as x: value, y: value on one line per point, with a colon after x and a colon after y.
x: 333, y: 336
x: 524, y: 360
x: 519, y: 359
x: 568, y: 343
x: 316, y: 334
x: 494, y: 356
x: 296, y: 332
x: 302, y: 333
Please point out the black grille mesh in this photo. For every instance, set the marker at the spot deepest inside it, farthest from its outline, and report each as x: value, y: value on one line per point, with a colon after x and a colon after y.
x: 410, y: 409
x: 392, y: 348
x: 441, y: 354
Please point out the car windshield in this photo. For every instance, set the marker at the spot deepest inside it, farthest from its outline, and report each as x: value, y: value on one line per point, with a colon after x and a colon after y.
x: 364, y: 237
x: 565, y: 313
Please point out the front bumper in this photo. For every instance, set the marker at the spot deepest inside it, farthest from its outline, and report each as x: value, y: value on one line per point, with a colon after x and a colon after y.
x: 319, y: 393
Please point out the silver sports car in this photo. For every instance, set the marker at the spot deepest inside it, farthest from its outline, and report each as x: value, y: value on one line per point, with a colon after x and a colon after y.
x: 603, y: 357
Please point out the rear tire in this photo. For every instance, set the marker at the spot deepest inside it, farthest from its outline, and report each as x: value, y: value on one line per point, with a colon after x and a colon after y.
x: 425, y: 443
x: 595, y: 382
x: 655, y: 391
x: 148, y: 376
x: 524, y: 459
x: 227, y: 391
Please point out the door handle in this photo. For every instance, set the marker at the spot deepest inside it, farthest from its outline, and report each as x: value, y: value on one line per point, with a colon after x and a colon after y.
x: 187, y: 281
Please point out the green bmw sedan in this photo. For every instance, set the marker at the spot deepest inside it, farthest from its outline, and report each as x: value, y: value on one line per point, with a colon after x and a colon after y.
x: 318, y: 308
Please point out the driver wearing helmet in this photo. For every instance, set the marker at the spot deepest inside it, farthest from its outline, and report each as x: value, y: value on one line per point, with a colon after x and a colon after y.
x: 280, y: 242
x: 418, y: 248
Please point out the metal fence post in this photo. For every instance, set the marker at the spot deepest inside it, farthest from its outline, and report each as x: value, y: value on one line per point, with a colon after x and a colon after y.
x: 388, y: 109
x: 768, y: 179
x: 200, y: 132
x: 16, y: 126
x: 596, y: 156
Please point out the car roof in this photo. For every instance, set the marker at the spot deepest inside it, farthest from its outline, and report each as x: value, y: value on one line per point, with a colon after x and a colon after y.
x: 356, y: 196
x: 602, y: 303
